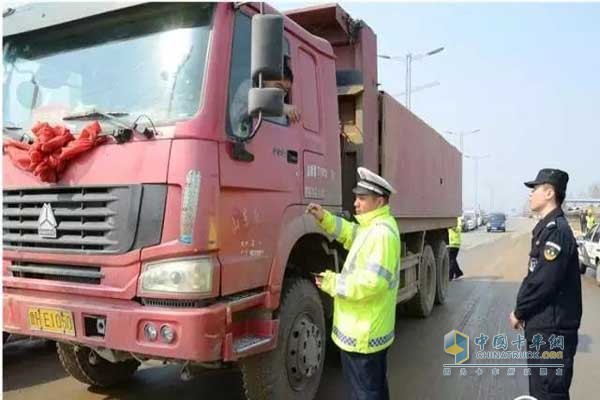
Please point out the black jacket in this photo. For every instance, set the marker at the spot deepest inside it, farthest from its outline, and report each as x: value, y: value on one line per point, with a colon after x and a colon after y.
x: 550, y: 295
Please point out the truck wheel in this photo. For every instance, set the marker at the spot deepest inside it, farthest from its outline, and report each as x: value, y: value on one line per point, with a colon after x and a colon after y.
x: 422, y: 303
x: 442, y: 272
x: 291, y: 371
x: 582, y: 268
x: 83, y: 364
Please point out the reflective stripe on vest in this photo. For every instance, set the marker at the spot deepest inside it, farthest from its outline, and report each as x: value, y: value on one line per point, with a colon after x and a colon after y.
x: 338, y: 227
x: 347, y: 340
x: 350, y: 341
x: 380, y: 341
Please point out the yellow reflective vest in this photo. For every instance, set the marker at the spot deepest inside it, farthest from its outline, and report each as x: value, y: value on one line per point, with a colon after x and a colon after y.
x: 591, y: 221
x: 454, y: 234
x: 365, y: 291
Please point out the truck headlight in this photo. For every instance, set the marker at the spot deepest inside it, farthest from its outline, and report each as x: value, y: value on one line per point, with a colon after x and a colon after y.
x: 181, y: 276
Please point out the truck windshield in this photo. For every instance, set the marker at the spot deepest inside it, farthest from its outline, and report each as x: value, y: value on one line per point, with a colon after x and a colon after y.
x: 142, y: 60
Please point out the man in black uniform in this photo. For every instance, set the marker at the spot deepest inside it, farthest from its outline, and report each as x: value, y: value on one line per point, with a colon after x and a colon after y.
x: 549, y: 300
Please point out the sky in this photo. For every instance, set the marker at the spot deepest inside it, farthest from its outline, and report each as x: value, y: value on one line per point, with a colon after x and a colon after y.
x: 526, y: 74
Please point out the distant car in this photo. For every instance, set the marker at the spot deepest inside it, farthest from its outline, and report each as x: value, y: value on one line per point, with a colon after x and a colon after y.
x: 589, y: 251
x: 497, y: 222
x: 469, y: 222
x: 485, y: 218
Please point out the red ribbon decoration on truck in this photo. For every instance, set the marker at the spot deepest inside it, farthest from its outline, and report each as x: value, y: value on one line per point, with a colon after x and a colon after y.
x: 52, y: 148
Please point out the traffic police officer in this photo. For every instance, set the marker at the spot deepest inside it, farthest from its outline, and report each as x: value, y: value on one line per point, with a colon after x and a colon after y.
x: 454, y: 236
x: 590, y: 220
x: 549, y: 300
x: 365, y: 291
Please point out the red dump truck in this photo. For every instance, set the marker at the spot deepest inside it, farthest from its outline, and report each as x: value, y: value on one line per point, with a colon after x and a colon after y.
x: 183, y: 237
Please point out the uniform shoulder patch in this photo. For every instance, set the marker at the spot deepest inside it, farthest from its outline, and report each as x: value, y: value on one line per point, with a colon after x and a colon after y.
x: 551, y: 251
x: 551, y: 224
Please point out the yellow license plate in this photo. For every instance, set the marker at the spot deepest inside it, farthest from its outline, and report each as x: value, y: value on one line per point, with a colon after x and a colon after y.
x: 51, y: 320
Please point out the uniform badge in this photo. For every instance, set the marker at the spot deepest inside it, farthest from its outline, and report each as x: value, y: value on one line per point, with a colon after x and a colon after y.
x: 551, y: 251
x: 532, y: 264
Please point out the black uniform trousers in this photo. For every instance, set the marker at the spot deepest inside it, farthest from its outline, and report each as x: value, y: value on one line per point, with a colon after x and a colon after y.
x: 365, y: 375
x: 455, y: 270
x: 553, y: 385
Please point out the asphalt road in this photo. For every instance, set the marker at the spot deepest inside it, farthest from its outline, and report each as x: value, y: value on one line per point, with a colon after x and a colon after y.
x: 494, y: 264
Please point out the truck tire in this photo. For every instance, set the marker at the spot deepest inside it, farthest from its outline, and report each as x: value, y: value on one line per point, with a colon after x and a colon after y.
x: 442, y: 272
x: 422, y: 303
x: 291, y: 371
x: 582, y: 268
x: 92, y: 369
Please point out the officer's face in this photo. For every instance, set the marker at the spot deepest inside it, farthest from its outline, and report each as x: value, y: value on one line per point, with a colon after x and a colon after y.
x: 540, y: 196
x: 364, y: 203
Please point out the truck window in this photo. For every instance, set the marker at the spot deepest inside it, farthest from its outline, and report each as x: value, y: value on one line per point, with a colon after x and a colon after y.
x: 238, y: 123
x: 310, y: 101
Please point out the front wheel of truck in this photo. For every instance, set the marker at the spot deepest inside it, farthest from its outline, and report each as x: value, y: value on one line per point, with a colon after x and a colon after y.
x: 291, y: 371
x: 83, y: 364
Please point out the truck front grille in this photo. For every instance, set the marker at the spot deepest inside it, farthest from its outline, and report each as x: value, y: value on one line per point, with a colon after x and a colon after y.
x: 88, y: 219
x: 53, y: 272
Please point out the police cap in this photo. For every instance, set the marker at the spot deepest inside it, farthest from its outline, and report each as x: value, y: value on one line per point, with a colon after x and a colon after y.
x: 373, y: 184
x: 555, y: 177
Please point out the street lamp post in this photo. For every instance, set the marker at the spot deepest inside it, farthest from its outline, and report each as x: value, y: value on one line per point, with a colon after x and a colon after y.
x: 461, y: 135
x: 408, y: 59
x: 476, y: 159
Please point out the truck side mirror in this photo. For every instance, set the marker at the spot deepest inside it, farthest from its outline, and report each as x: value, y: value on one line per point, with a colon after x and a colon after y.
x: 269, y: 101
x: 267, y: 47
x: 266, y: 63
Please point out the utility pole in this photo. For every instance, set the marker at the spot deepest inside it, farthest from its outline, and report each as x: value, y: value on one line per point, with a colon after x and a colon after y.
x: 461, y: 135
x: 476, y: 159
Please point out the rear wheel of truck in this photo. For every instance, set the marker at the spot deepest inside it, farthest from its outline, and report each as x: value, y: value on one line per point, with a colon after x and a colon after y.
x: 442, y: 272
x: 83, y: 364
x: 422, y: 303
x: 291, y: 371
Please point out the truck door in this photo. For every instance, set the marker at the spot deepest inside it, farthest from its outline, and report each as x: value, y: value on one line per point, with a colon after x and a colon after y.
x: 254, y: 193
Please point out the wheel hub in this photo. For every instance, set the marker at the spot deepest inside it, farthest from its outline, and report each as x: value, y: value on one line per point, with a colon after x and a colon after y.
x: 305, y: 351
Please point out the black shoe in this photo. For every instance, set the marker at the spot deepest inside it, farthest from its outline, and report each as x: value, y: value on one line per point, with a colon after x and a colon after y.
x: 459, y: 275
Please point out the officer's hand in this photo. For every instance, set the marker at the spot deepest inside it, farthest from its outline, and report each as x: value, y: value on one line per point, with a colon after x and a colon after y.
x: 316, y: 211
x: 514, y: 322
x: 319, y: 281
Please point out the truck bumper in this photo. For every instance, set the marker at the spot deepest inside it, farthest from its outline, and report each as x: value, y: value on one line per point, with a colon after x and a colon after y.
x: 201, y: 334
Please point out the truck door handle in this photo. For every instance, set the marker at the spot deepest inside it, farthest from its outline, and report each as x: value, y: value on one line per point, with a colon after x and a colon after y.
x: 292, y: 157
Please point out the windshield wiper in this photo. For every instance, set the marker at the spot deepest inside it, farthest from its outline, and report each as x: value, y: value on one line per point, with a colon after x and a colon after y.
x: 92, y: 114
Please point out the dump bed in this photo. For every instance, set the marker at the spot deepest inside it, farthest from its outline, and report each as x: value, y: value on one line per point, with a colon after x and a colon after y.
x: 421, y: 165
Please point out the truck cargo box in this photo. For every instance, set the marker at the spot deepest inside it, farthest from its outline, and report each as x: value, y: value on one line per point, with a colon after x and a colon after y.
x: 423, y: 167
